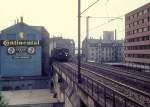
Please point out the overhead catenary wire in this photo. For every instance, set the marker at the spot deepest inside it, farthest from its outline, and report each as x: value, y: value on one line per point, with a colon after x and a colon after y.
x: 96, y: 17
x: 115, y: 18
x: 89, y: 7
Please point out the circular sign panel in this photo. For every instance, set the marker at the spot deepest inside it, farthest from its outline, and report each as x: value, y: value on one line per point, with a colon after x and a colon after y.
x: 31, y: 50
x: 11, y: 50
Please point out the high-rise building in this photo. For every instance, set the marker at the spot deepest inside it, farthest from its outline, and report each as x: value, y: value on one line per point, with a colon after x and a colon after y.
x: 137, y: 35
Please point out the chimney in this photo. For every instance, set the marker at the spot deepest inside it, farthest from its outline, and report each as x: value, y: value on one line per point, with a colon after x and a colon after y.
x: 115, y: 34
x: 21, y: 19
x: 17, y: 20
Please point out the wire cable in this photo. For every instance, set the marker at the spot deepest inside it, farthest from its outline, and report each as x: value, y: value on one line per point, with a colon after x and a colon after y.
x: 115, y: 18
x: 89, y: 6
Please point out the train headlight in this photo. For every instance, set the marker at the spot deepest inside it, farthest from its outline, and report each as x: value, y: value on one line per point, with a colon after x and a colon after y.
x: 11, y: 50
x: 66, y: 54
x: 31, y: 50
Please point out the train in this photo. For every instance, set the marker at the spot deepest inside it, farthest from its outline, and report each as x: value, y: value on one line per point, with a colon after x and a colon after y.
x: 61, y: 49
x: 60, y: 54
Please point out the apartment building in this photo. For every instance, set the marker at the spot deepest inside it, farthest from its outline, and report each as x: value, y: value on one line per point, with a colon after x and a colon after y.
x: 137, y: 37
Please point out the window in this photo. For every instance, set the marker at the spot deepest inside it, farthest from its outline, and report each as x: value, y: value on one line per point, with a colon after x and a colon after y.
x: 140, y: 30
x: 131, y: 25
x: 128, y: 18
x: 131, y: 17
x: 140, y: 39
x: 146, y: 20
x: 147, y: 37
x: 135, y: 31
x: 135, y: 15
x: 128, y: 26
x: 145, y: 29
x: 140, y: 13
x: 141, y: 47
x: 140, y: 21
x: 135, y: 23
x: 128, y: 33
x: 145, y: 11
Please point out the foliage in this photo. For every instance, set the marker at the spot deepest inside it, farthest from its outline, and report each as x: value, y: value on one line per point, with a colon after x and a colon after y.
x: 2, y: 102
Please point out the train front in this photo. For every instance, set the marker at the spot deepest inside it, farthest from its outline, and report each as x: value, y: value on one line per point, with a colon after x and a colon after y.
x: 61, y: 54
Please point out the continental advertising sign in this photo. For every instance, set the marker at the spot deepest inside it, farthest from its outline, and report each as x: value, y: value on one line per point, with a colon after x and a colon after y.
x: 9, y: 43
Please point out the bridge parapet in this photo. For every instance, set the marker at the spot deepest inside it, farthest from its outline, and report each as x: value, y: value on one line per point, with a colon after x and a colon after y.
x: 99, y: 93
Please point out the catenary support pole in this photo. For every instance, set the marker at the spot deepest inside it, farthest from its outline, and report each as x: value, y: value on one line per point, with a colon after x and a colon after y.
x: 79, y: 56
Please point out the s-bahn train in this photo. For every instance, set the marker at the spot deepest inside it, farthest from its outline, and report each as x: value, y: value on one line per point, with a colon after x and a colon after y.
x: 60, y: 54
x: 61, y: 49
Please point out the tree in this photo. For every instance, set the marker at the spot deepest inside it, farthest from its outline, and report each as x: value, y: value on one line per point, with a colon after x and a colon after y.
x: 2, y: 101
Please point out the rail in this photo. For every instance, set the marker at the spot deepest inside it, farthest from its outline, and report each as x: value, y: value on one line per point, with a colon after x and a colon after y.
x: 131, y: 79
x: 101, y: 93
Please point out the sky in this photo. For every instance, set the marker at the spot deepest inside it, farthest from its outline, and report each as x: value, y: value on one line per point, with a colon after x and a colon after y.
x: 60, y: 16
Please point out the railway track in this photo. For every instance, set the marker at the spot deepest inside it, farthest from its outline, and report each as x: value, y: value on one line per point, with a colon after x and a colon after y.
x: 135, y: 72
x: 138, y: 81
x: 134, y: 94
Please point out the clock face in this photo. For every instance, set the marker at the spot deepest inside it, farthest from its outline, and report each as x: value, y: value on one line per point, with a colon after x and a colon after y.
x: 31, y: 50
x: 11, y: 50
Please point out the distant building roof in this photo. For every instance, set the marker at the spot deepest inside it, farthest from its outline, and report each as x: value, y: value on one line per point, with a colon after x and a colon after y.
x: 39, y: 29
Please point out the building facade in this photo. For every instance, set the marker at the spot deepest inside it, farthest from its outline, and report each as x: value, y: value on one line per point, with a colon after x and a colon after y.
x: 23, y: 50
x: 103, y: 50
x: 111, y: 51
x: 16, y: 57
x: 90, y: 50
x: 137, y: 35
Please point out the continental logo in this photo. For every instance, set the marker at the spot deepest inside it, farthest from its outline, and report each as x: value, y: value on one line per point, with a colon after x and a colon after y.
x: 9, y: 43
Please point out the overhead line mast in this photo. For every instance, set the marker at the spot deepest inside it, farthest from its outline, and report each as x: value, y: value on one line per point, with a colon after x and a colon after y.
x: 79, y: 35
